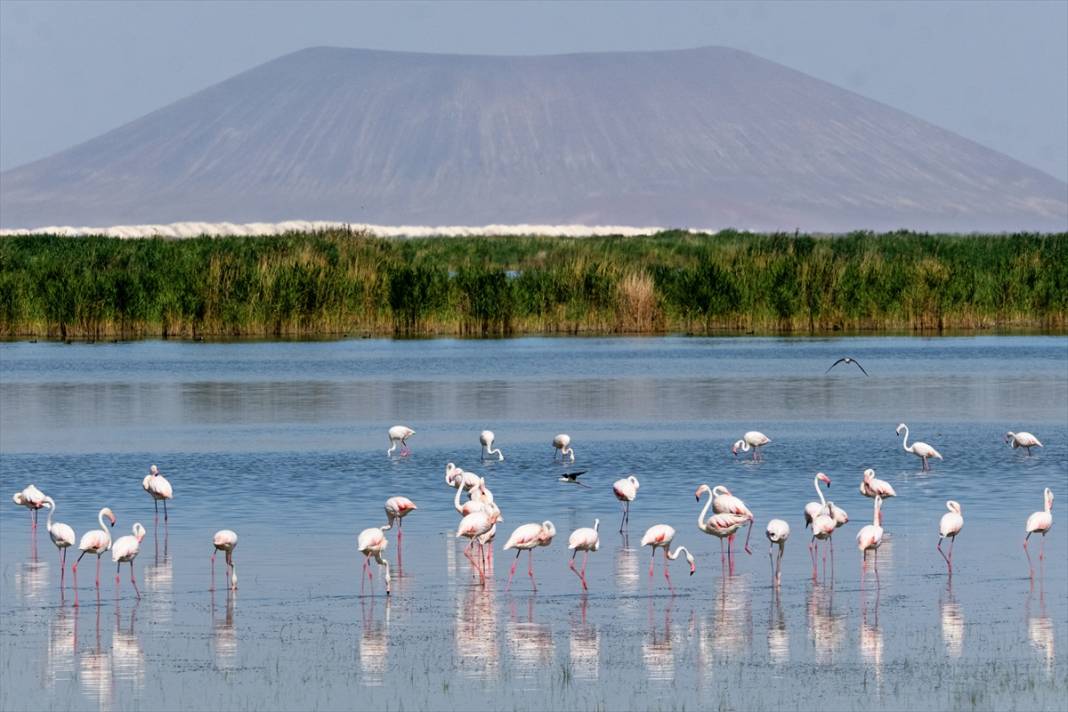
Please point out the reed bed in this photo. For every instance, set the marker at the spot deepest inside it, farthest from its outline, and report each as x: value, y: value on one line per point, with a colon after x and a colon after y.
x: 347, y: 283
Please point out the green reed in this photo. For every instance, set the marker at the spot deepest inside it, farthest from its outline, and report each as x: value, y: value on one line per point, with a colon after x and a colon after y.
x: 343, y: 282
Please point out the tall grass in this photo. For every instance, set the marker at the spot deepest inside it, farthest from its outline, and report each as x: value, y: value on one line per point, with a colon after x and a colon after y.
x: 342, y: 282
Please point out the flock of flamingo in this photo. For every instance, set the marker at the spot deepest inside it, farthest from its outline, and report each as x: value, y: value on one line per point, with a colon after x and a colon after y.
x: 480, y: 516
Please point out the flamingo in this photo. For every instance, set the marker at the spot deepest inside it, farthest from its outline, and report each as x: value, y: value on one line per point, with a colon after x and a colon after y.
x: 722, y: 525
x: 585, y: 540
x: 33, y: 499
x: 872, y: 487
x: 753, y: 440
x: 224, y: 540
x: 1022, y: 439
x: 397, y: 508
x: 777, y: 532
x: 62, y: 536
x: 476, y: 502
x: 473, y: 527
x: 157, y: 486
x: 399, y: 434
x: 528, y: 537
x: 456, y: 477
x: 1039, y: 523
x: 812, y: 509
x: 723, y: 502
x: 486, y: 438
x: 920, y: 450
x: 625, y: 490
x: 125, y: 550
x: 870, y: 537
x: 661, y: 536
x: 96, y: 542
x: 823, y: 527
x: 372, y: 542
x: 562, y: 445
x: 950, y: 526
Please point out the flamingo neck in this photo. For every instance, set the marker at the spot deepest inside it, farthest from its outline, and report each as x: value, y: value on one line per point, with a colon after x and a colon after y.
x: 675, y: 554
x: 905, y: 440
x: 104, y: 527
x: 875, y: 517
x: 51, y: 511
x: 701, y: 516
x: 596, y: 523
x: 816, y: 484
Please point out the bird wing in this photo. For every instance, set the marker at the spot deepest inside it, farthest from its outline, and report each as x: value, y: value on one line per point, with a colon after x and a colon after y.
x: 860, y: 367
x: 833, y: 365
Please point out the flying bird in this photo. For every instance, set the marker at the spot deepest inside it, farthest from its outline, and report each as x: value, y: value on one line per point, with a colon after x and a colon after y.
x: 846, y: 359
x: 572, y: 477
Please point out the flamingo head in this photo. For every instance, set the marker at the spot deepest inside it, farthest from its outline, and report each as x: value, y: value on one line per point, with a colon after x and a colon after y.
x: 49, y: 502
x: 1049, y: 499
x: 953, y: 506
x: 1010, y: 436
x: 138, y: 531
x: 690, y: 561
x: 824, y: 479
x: 901, y: 427
x: 106, y: 512
x: 153, y: 470
x: 738, y: 444
x: 17, y: 499
x: 548, y: 531
x: 700, y: 491
x: 869, y: 474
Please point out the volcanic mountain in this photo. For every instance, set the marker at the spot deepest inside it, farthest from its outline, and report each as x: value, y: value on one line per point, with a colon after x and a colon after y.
x: 708, y: 138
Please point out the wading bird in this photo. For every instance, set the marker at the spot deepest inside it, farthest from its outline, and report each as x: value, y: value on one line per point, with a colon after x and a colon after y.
x: 1024, y: 440
x: 870, y: 537
x: 722, y: 525
x: 823, y: 527
x: 812, y: 509
x: 96, y: 542
x: 62, y: 536
x: 872, y: 487
x: 157, y: 486
x: 661, y: 536
x: 919, y: 449
x: 33, y: 499
x: 224, y: 540
x: 527, y: 538
x: 397, y: 508
x: 399, y: 434
x: 723, y: 502
x: 777, y: 532
x: 585, y: 540
x: 456, y: 477
x: 486, y: 438
x: 562, y: 445
x: 1039, y: 523
x: 950, y: 525
x: 625, y: 491
x: 473, y: 527
x: 846, y: 359
x: 124, y: 550
x: 753, y: 440
x: 372, y: 542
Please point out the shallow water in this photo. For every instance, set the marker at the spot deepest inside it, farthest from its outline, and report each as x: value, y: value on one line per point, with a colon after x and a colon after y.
x: 285, y: 443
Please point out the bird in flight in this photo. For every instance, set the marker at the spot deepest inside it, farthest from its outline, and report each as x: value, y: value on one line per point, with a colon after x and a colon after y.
x: 572, y: 477
x: 846, y: 359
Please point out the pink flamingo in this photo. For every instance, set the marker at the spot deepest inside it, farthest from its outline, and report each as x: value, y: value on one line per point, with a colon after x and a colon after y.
x: 372, y: 542
x: 872, y: 487
x: 723, y: 502
x: 480, y: 500
x: 399, y: 434
x: 486, y: 439
x: 397, y: 508
x: 1022, y: 439
x: 625, y: 491
x: 62, y: 536
x: 950, y: 526
x: 585, y: 540
x: 96, y: 542
x: 753, y: 440
x: 528, y: 537
x: 1039, y: 523
x: 812, y: 509
x: 823, y: 527
x: 473, y: 526
x: 456, y: 477
x: 920, y: 450
x: 661, y: 536
x: 157, y: 487
x: 869, y: 538
x: 125, y: 550
x: 723, y: 525
x: 224, y: 540
x: 33, y: 499
x: 562, y: 445
x: 778, y: 531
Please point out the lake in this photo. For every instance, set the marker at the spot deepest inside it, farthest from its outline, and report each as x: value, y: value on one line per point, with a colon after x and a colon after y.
x: 285, y: 443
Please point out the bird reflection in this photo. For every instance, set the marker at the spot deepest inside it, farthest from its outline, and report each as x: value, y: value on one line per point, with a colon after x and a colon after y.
x: 530, y: 643
x: 128, y: 660
x: 62, y: 645
x: 657, y: 651
x: 825, y: 628
x: 778, y: 636
x: 585, y: 645
x: 476, y: 632
x: 224, y: 636
x: 31, y: 579
x: 159, y: 581
x: 1040, y: 628
x: 94, y: 671
x: 732, y: 632
x: 626, y: 564
x: 871, y: 639
x: 952, y: 623
x: 374, y: 643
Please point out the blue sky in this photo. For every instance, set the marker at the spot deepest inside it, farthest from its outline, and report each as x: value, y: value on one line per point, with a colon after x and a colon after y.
x: 994, y: 72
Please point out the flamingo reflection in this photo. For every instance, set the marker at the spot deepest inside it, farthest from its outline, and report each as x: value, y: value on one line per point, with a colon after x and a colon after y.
x: 94, y: 671
x: 871, y: 639
x: 657, y: 651
x: 778, y: 635
x: 1040, y: 629
x: 626, y: 569
x: 62, y: 646
x: 952, y: 623
x: 476, y: 633
x: 127, y: 657
x: 31, y: 579
x: 374, y: 643
x: 826, y: 629
x: 530, y: 644
x: 585, y: 645
x: 224, y: 636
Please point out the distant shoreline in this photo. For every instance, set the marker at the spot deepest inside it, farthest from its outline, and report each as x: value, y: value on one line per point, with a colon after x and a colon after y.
x: 345, y: 283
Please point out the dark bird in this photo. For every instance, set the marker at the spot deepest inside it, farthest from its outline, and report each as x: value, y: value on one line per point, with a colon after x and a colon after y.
x: 846, y: 359
x: 572, y: 477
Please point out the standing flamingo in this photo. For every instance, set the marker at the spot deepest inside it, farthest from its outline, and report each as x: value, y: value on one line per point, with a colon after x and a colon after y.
x: 125, y: 550
x: 722, y: 525
x: 950, y: 526
x: 625, y: 490
x: 456, y: 477
x: 777, y: 532
x: 486, y: 438
x: 661, y: 536
x: 157, y: 486
x: 372, y: 542
x: 224, y: 540
x: 753, y: 440
x: 723, y: 502
x: 823, y: 527
x: 62, y: 536
x: 872, y: 487
x: 473, y: 527
x: 399, y: 434
x: 1039, y: 523
x: 562, y: 445
x: 812, y: 509
x: 96, y: 542
x: 920, y: 450
x: 585, y: 540
x: 1022, y: 439
x: 870, y: 537
x: 33, y: 499
x: 478, y: 501
x: 527, y: 538
x: 397, y: 508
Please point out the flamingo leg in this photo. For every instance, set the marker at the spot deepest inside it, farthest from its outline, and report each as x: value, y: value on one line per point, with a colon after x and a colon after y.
x: 155, y: 503
x: 530, y: 568
x: 830, y: 540
x: 571, y: 565
x: 667, y: 573
x: 213, y: 569
x: 812, y: 552
x: 747, y: 549
x: 939, y: 547
x: 133, y: 580
x: 98, y: 572
x: 771, y: 559
x: 74, y: 571
x: 778, y: 564
x: 652, y: 561
x: 1029, y: 564
x: 62, y: 566
x: 1042, y: 548
x: 117, y: 567
x: 952, y: 540
x: 164, y: 510
x: 511, y: 573
x: 585, y: 559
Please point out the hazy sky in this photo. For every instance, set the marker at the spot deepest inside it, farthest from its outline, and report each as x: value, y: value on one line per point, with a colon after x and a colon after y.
x: 995, y: 72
